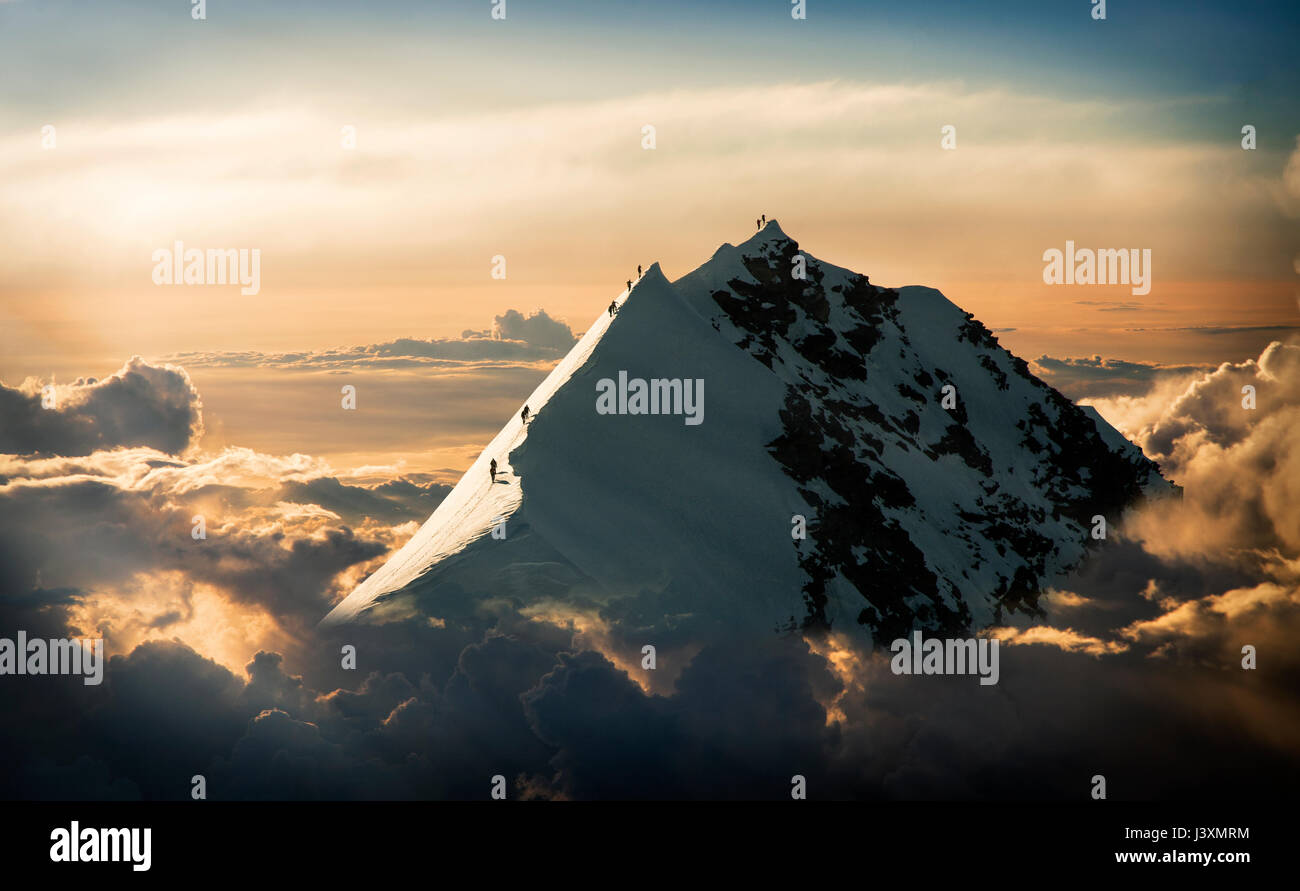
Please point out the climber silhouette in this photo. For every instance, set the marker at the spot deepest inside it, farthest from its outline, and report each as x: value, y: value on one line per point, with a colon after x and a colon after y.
x: 524, y: 414
x: 613, y: 308
x: 758, y: 224
x: 629, y: 284
x: 764, y: 219
x: 492, y: 469
x: 638, y: 270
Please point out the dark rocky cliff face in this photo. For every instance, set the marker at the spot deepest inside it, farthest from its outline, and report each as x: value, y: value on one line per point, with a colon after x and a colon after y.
x: 1013, y: 471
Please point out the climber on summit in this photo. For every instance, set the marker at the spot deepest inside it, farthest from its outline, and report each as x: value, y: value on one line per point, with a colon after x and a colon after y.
x: 764, y: 219
x: 638, y: 270
x: 492, y: 469
x: 758, y: 224
x: 524, y: 414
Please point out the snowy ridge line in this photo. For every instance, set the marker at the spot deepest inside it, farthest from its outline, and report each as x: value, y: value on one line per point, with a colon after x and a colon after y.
x: 476, y: 502
x: 943, y: 485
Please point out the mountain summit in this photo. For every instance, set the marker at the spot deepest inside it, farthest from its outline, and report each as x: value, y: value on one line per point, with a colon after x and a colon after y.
x: 774, y: 441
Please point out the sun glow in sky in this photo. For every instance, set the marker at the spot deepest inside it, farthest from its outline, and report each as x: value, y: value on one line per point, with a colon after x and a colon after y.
x: 525, y: 139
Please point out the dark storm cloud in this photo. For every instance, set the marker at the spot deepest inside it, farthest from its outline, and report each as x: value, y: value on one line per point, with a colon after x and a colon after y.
x: 745, y: 718
x: 267, y: 735
x: 1053, y: 721
x: 138, y: 405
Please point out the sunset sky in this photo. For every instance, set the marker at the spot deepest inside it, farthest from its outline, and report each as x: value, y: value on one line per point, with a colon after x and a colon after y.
x: 522, y: 138
x: 127, y: 126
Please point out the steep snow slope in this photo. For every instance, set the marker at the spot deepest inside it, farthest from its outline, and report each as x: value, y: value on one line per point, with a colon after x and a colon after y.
x: 628, y: 504
x: 477, y: 503
x: 822, y: 397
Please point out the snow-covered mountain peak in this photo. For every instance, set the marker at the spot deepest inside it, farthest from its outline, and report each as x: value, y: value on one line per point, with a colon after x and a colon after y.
x: 770, y: 232
x: 676, y: 452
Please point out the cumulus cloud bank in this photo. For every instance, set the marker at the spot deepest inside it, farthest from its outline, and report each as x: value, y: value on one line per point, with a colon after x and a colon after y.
x: 514, y: 338
x: 538, y: 329
x: 1231, y: 437
x: 1098, y: 376
x: 217, y: 666
x: 138, y: 405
